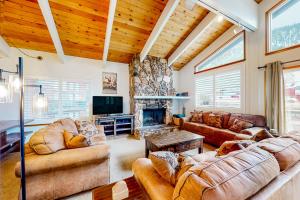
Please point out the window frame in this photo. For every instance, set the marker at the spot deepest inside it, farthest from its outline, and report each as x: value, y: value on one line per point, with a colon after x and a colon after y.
x: 268, y: 30
x: 238, y: 66
x: 219, y: 49
x: 46, y: 121
x: 287, y: 69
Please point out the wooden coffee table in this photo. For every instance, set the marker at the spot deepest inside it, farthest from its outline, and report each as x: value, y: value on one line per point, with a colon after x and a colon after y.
x: 177, y: 141
x: 135, y: 191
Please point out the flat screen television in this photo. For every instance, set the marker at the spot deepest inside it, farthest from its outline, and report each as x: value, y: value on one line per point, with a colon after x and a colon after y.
x: 107, y: 105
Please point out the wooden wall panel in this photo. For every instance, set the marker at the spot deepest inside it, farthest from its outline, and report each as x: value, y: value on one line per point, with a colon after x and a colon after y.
x: 22, y: 25
x: 81, y: 26
x: 179, y: 26
x: 133, y: 23
x: 210, y: 35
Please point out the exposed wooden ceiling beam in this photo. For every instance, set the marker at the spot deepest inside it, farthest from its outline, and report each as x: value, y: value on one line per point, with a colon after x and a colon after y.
x: 160, y: 24
x: 192, y: 37
x: 46, y: 11
x: 238, y: 12
x: 4, y: 47
x: 213, y: 46
x: 109, y: 25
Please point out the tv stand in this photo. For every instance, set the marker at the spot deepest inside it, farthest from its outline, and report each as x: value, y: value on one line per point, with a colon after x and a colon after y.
x: 116, y: 124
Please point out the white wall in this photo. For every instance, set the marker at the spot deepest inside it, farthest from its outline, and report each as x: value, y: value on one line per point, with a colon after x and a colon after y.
x: 74, y: 68
x: 255, y: 56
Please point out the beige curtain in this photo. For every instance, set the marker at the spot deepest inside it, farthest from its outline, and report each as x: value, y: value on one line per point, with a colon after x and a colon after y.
x: 275, y: 105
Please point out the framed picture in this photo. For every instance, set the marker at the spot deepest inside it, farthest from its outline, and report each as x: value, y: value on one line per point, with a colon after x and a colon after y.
x: 109, y: 83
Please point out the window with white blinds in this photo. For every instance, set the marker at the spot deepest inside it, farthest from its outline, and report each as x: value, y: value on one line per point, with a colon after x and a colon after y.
x: 65, y: 98
x: 219, y: 89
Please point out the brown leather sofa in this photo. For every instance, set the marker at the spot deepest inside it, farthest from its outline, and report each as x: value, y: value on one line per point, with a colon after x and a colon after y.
x: 66, y: 171
x: 258, y: 172
x: 217, y: 136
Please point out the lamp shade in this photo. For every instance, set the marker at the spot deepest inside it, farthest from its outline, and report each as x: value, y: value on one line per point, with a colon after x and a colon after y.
x: 40, y: 104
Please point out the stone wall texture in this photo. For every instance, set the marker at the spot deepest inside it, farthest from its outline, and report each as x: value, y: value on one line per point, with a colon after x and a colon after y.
x: 152, y: 77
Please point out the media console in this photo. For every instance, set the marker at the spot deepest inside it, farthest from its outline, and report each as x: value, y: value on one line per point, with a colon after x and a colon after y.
x: 116, y: 124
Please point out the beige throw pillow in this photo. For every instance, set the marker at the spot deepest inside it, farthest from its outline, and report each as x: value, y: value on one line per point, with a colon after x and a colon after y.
x: 166, y: 164
x: 90, y: 131
x: 74, y: 141
x: 47, y: 140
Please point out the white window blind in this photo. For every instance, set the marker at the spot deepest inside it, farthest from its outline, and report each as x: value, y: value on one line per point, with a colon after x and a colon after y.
x: 65, y: 98
x: 228, y: 89
x: 204, y: 91
x: 219, y: 89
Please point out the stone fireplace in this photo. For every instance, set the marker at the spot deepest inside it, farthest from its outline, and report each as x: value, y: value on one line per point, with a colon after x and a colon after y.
x: 150, y: 81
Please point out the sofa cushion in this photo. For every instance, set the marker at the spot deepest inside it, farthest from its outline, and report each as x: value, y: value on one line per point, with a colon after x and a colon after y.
x: 196, y: 116
x: 74, y: 141
x: 225, y: 118
x: 239, y: 125
x: 166, y: 164
x: 215, y: 120
x: 285, y: 150
x: 205, y: 117
x: 68, y: 124
x: 234, y: 145
x: 47, y: 140
x: 236, y: 176
x: 64, y: 159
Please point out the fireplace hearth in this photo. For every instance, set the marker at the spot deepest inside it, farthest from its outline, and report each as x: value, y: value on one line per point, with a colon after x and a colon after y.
x: 153, y: 116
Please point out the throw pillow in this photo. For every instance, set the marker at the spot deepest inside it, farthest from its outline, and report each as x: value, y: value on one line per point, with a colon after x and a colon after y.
x: 196, y: 117
x: 239, y: 125
x: 230, y: 146
x: 215, y: 120
x: 205, y: 116
x: 90, y: 131
x: 74, y: 141
x: 166, y: 164
x: 47, y: 140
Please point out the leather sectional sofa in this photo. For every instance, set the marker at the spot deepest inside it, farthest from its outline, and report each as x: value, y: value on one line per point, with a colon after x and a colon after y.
x: 217, y: 136
x: 266, y: 170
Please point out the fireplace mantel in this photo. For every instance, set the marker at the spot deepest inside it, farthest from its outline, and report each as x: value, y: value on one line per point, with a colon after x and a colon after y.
x: 162, y: 97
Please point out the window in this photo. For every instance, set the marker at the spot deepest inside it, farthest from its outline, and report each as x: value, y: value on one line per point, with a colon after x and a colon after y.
x: 283, y: 26
x: 292, y: 99
x: 219, y: 89
x: 65, y: 98
x: 229, y: 53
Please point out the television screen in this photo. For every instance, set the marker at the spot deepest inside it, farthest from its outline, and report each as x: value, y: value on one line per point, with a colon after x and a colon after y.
x: 107, y: 105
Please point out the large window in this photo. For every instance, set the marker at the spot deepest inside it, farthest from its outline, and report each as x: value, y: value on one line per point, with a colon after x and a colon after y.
x: 292, y: 99
x: 229, y: 53
x: 65, y: 98
x: 283, y: 26
x: 219, y: 89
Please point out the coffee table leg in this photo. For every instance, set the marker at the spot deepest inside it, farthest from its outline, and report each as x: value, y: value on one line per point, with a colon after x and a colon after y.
x: 200, y: 150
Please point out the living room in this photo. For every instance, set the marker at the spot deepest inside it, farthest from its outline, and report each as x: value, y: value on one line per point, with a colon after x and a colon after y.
x: 150, y: 99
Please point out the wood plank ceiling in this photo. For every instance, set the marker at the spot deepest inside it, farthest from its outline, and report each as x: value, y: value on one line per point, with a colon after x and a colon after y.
x: 81, y: 25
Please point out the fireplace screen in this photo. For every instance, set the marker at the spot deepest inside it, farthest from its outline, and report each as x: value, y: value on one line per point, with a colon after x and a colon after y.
x: 153, y: 116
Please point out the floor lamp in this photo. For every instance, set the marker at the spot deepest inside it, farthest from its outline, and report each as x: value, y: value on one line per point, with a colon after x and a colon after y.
x: 39, y: 105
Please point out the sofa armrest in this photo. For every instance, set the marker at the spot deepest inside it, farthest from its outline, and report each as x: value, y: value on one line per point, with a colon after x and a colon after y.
x: 64, y: 159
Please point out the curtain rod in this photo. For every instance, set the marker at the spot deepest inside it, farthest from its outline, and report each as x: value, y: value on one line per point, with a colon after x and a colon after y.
x: 298, y: 60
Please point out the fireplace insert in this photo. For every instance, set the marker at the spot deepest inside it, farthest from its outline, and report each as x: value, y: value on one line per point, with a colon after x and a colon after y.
x: 153, y: 116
